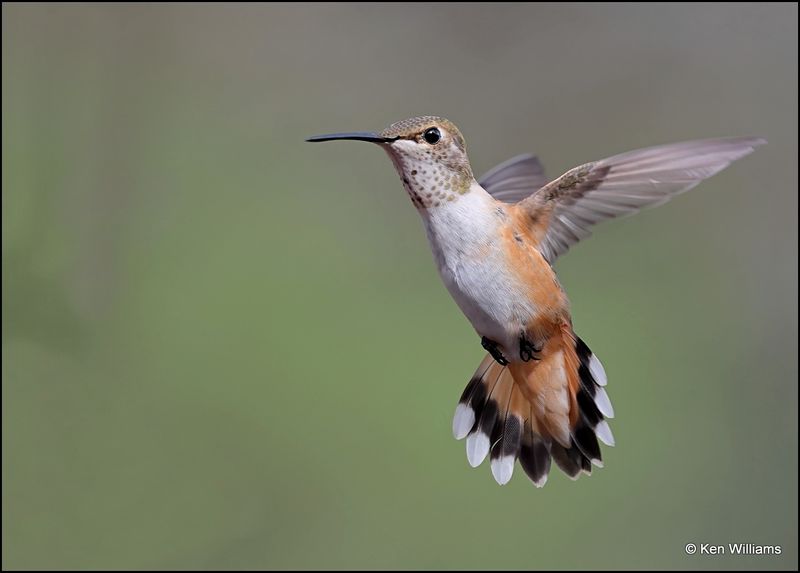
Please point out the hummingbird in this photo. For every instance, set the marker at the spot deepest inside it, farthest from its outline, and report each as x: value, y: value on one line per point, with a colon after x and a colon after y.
x: 539, y: 394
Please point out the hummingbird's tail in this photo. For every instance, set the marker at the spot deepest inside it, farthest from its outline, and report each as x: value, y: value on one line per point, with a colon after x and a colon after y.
x: 553, y: 408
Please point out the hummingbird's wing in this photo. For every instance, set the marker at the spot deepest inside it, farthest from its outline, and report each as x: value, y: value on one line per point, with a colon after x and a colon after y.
x: 514, y: 179
x: 624, y: 184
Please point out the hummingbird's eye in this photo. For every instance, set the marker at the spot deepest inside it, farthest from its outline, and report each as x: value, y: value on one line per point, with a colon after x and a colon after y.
x: 432, y: 135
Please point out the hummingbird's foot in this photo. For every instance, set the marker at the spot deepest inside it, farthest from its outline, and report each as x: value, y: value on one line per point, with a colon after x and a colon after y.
x: 491, y: 348
x: 527, y: 350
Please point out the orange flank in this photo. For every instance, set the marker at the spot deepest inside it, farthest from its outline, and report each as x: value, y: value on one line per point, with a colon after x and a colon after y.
x: 525, y: 260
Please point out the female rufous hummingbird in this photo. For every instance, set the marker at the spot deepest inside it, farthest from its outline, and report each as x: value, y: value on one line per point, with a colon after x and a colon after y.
x: 539, y: 393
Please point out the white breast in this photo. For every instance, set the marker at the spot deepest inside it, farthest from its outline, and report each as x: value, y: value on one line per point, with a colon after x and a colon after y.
x: 465, y: 239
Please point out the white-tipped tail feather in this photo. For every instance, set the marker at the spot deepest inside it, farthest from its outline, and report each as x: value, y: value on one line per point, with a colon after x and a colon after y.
x: 477, y: 448
x: 603, y: 432
x: 503, y: 469
x: 603, y: 403
x: 597, y: 371
x: 463, y: 421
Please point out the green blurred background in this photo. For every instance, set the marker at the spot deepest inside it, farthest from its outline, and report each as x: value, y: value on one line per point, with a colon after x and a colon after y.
x: 226, y: 348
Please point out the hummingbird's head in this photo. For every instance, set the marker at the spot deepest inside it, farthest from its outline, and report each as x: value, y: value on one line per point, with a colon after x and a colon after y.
x: 429, y: 155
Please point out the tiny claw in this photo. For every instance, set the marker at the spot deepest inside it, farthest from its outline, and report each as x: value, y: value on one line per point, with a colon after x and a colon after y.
x: 527, y: 350
x: 491, y: 347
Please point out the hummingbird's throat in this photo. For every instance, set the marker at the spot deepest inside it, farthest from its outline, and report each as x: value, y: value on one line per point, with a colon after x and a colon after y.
x: 431, y: 185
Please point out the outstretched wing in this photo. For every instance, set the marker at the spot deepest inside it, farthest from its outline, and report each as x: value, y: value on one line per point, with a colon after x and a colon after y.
x: 514, y: 179
x: 624, y: 184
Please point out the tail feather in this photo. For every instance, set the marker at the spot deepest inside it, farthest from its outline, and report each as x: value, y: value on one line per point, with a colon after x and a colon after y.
x: 537, y: 412
x: 471, y: 402
x: 507, y: 437
x: 484, y: 405
x: 585, y: 440
x: 493, y: 422
x: 534, y: 455
x: 569, y: 460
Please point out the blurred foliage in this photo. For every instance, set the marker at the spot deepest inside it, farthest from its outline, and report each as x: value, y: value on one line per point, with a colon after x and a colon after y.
x: 225, y: 348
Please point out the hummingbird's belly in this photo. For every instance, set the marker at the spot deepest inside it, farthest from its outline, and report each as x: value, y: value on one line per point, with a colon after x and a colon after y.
x: 489, y: 294
x: 496, y: 276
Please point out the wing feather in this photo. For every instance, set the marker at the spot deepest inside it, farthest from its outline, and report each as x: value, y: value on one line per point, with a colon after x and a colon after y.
x: 514, y: 179
x: 624, y: 184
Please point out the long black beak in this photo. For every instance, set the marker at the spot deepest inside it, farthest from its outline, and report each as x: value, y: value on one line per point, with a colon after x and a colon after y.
x: 355, y: 135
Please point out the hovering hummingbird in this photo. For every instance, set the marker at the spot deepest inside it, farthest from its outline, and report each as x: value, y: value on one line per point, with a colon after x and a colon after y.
x: 539, y: 393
